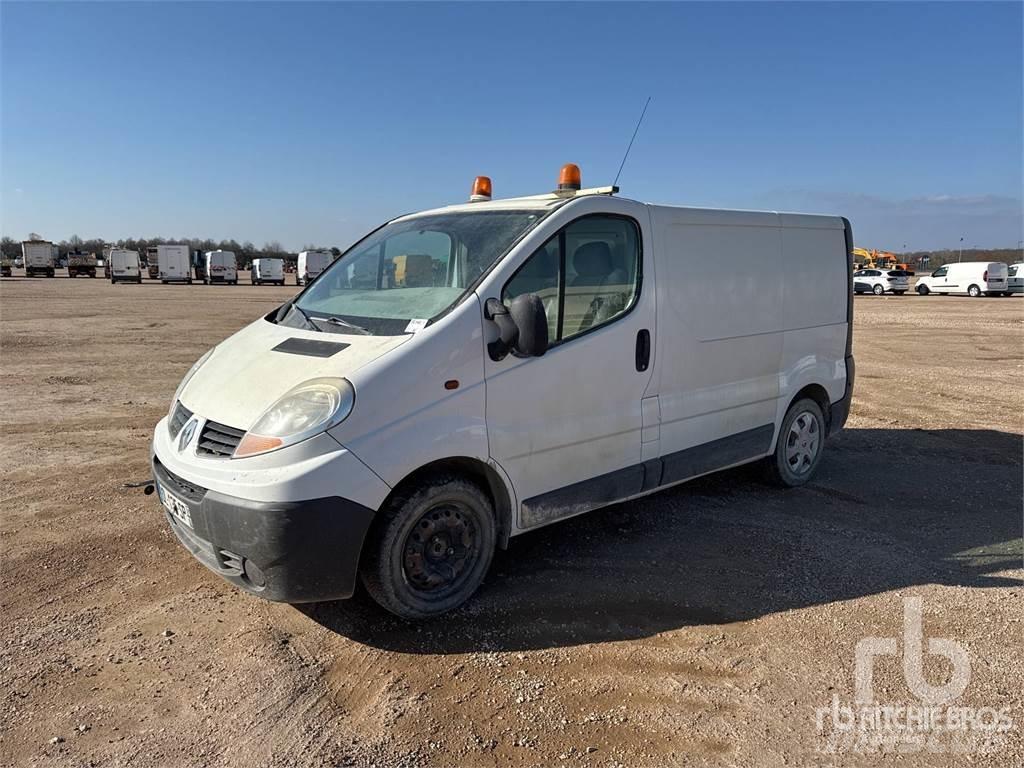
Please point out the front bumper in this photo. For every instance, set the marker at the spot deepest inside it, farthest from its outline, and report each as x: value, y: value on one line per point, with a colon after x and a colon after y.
x: 286, y: 551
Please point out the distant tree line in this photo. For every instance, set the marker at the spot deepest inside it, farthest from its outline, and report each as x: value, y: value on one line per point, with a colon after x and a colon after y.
x: 244, y: 252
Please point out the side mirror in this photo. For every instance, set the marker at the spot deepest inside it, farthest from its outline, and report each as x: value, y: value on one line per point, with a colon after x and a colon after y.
x: 522, y: 328
x: 528, y: 313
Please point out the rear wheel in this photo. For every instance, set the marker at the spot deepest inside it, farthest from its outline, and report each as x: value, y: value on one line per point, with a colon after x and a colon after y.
x: 431, y: 548
x: 800, y: 445
x: 973, y: 291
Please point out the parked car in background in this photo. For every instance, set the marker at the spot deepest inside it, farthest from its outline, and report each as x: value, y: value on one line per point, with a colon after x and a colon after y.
x: 123, y: 266
x: 19, y: 262
x: 879, y: 281
x: 221, y: 267
x: 1015, y: 278
x: 174, y: 264
x: 311, y: 264
x: 267, y: 271
x: 5, y: 267
x: 973, y: 278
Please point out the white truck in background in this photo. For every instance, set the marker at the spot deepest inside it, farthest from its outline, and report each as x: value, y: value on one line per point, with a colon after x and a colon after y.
x: 174, y: 264
x: 38, y: 256
x: 267, y: 271
x: 221, y: 267
x: 311, y: 264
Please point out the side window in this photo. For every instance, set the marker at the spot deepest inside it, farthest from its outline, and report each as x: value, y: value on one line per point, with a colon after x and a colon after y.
x: 540, y: 275
x: 587, y: 275
x: 940, y: 272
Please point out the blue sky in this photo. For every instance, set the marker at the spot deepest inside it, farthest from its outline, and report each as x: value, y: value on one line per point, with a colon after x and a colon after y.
x: 312, y: 123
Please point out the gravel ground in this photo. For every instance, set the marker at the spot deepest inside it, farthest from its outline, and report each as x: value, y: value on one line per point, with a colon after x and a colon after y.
x: 707, y: 624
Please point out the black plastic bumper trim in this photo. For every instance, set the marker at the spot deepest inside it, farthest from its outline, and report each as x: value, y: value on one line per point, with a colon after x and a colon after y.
x: 306, y: 551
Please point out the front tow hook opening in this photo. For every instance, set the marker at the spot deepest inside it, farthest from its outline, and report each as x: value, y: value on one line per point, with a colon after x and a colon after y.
x: 147, y: 486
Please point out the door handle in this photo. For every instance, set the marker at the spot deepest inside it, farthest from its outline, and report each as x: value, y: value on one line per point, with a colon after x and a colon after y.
x: 643, y: 349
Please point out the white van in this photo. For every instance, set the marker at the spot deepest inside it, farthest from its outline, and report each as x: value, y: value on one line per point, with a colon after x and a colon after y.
x: 1015, y: 279
x: 267, y: 271
x: 221, y: 267
x: 973, y: 278
x: 124, y: 266
x: 311, y: 264
x: 464, y: 375
x: 174, y: 264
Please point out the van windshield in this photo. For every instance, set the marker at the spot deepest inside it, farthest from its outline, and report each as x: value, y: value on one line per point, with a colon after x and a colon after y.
x: 412, y: 269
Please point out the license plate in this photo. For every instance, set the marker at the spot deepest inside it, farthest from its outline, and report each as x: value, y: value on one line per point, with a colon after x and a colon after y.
x: 175, y: 506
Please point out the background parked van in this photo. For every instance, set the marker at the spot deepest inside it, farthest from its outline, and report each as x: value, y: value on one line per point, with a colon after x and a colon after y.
x: 972, y: 278
x: 221, y: 267
x: 311, y: 264
x: 173, y: 264
x: 1015, y: 278
x: 124, y: 266
x: 267, y: 271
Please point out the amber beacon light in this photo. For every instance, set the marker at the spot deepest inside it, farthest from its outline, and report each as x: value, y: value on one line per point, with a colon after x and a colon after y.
x: 569, y: 178
x: 481, y: 189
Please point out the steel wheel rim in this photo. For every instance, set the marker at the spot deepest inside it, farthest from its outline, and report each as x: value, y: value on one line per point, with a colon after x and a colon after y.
x: 803, y: 442
x: 440, y: 550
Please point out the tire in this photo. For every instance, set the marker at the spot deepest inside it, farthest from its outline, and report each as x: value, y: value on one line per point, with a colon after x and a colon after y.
x: 138, y: 281
x: 899, y: 293
x: 878, y: 290
x: 922, y: 290
x: 973, y: 291
x: 189, y: 281
x: 414, y: 578
x: 799, y: 447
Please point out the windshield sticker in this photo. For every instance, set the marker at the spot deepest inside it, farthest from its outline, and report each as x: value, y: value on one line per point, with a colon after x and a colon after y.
x: 416, y: 324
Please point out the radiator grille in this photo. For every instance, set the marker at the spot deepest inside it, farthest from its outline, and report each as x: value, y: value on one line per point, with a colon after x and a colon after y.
x: 219, y: 439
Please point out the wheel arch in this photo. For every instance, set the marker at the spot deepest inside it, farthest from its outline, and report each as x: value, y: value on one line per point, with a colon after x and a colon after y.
x: 480, y: 472
x: 818, y: 394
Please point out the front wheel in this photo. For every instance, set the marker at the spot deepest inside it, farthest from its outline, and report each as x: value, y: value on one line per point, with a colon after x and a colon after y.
x: 878, y: 290
x: 973, y: 291
x: 922, y: 290
x: 431, y: 548
x: 800, y: 445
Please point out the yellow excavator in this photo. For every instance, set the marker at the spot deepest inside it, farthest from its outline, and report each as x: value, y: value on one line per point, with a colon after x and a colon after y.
x: 875, y: 259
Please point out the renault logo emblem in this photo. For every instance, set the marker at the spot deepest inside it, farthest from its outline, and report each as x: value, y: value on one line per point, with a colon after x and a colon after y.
x: 186, y: 434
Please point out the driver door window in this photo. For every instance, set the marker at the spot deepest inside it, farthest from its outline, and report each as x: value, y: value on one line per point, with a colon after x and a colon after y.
x: 587, y: 275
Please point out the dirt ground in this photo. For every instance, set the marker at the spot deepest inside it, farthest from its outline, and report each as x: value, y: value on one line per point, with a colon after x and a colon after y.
x: 703, y: 625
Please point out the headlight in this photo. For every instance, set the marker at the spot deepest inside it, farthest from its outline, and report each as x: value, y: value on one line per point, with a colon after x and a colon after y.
x: 188, y: 376
x: 307, y: 410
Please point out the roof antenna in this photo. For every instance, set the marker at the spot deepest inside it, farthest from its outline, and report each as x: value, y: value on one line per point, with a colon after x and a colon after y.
x: 635, y: 130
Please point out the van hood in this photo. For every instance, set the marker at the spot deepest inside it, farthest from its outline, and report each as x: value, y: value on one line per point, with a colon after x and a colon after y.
x: 245, y: 375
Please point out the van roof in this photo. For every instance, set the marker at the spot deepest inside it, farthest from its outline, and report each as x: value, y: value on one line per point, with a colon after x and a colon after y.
x: 687, y: 214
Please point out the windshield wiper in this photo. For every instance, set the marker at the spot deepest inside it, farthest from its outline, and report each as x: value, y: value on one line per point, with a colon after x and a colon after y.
x: 338, y: 321
x: 307, y: 318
